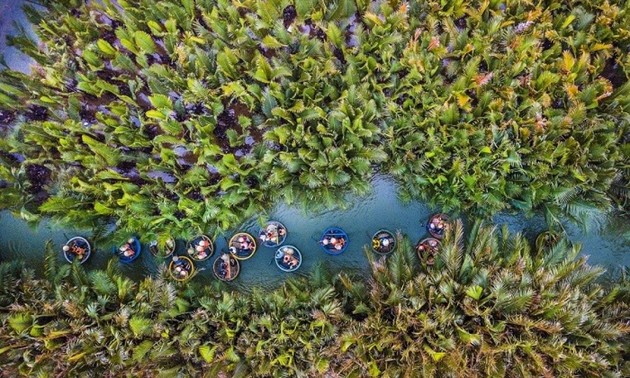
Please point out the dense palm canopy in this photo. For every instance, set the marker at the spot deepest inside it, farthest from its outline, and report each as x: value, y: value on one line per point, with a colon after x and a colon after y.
x: 182, y: 116
x: 489, y: 306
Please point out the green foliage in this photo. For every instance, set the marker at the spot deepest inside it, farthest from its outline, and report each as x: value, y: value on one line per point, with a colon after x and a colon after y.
x: 173, y: 115
x: 489, y: 307
x: 10, y: 274
x: 20, y: 322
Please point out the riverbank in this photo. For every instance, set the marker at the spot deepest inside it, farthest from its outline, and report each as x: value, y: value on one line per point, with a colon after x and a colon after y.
x: 486, y: 307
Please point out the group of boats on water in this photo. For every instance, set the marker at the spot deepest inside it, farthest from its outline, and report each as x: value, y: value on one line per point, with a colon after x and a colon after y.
x: 242, y: 246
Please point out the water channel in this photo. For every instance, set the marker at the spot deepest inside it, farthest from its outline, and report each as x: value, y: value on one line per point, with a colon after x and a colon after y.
x: 606, y: 241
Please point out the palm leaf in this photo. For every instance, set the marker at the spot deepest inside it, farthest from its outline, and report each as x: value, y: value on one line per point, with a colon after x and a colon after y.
x: 144, y: 42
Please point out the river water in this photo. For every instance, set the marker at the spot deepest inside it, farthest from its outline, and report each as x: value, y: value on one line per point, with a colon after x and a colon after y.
x: 606, y: 241
x: 11, y: 18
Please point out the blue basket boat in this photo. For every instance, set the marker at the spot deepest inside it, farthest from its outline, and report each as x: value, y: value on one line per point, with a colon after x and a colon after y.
x: 288, y: 258
x: 77, y: 247
x: 134, y: 245
x: 334, y: 241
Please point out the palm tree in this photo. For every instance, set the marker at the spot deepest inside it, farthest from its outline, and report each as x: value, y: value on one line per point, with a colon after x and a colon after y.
x: 488, y: 306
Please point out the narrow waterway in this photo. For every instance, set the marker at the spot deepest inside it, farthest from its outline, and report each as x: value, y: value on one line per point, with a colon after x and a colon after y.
x: 606, y: 241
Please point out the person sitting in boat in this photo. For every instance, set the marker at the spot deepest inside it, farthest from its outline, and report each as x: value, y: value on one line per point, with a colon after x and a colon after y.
x: 204, y: 243
x: 202, y: 250
x: 181, y: 262
x: 126, y: 250
x: 428, y: 250
x: 325, y: 242
x: 170, y: 244
x: 289, y: 259
x: 272, y: 231
x: 247, y: 244
x: 282, y: 231
x: 240, y: 244
x: 182, y: 267
x: 180, y: 272
x: 224, y: 267
x: 79, y: 251
x: 385, y: 243
x: 440, y: 225
x: 338, y: 243
x: 434, y: 227
x: 75, y: 250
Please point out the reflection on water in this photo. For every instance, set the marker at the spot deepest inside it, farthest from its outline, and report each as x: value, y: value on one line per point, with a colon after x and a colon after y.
x: 11, y: 14
x: 606, y: 243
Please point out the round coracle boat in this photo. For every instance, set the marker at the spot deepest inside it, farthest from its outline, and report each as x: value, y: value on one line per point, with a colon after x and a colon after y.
x: 162, y: 251
x: 77, y: 248
x: 334, y: 241
x: 427, y: 249
x: 288, y: 258
x: 129, y: 251
x: 181, y: 268
x: 273, y: 234
x: 200, y: 248
x: 438, y: 225
x: 226, y: 267
x: 242, y: 246
x: 383, y: 242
